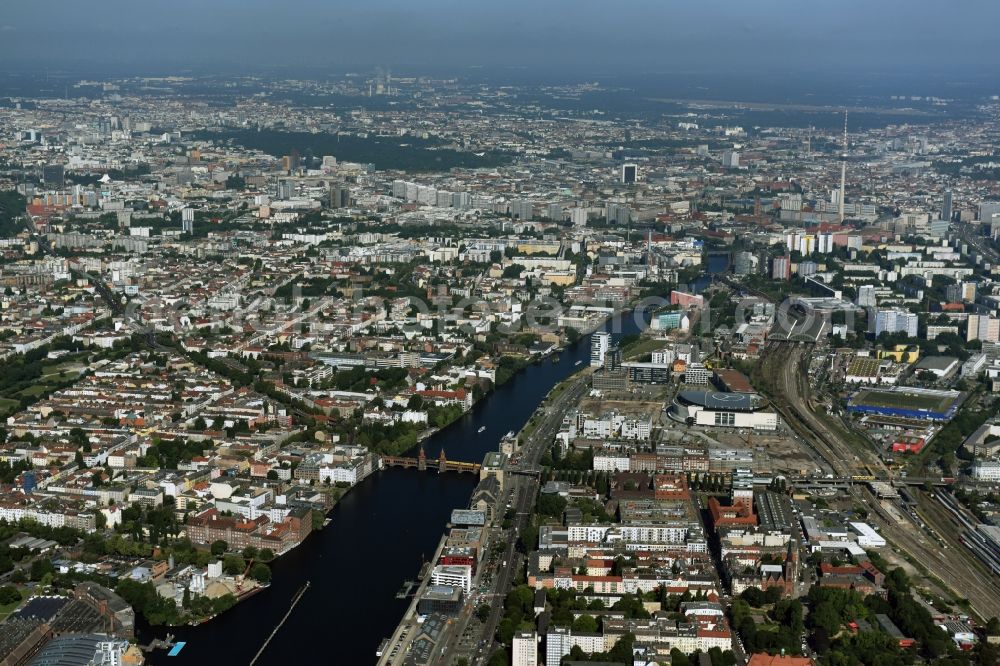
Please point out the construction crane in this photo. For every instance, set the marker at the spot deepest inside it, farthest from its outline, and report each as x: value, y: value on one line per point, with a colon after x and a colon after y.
x: 241, y: 579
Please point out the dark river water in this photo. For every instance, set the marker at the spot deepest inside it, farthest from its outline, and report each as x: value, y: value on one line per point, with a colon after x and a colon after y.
x: 380, y: 533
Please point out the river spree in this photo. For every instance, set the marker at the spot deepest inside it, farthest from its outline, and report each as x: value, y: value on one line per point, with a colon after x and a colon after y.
x: 380, y: 533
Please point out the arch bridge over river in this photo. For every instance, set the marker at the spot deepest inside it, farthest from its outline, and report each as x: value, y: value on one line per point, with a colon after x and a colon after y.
x: 442, y: 464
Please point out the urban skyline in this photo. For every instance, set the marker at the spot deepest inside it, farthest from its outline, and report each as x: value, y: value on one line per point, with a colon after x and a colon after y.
x: 450, y: 334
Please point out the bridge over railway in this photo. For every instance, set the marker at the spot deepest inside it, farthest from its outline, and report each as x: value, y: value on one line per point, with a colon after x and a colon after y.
x: 741, y: 288
x: 793, y: 323
x: 801, y: 330
x: 442, y: 464
x: 809, y: 483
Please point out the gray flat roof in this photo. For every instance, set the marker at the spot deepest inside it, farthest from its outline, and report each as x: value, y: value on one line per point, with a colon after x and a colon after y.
x: 743, y: 402
x: 467, y: 517
x: 443, y: 593
x: 936, y: 362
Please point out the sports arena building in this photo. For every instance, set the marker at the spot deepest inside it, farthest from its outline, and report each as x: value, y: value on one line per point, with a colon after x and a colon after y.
x: 726, y: 410
x: 907, y: 402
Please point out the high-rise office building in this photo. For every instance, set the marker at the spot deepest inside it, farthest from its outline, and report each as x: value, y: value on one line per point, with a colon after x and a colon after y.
x: 938, y: 228
x: 54, y: 176
x: 340, y: 196
x: 730, y: 159
x: 630, y: 173
x: 613, y: 358
x: 600, y: 342
x: 946, y: 211
x: 291, y: 162
x: 427, y: 195
x: 743, y: 263
x: 988, y: 209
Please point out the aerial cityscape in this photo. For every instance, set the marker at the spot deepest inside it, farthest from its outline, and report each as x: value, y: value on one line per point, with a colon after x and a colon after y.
x: 417, y: 344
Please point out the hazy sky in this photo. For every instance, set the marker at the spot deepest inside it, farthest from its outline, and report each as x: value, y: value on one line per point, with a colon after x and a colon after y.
x: 764, y: 36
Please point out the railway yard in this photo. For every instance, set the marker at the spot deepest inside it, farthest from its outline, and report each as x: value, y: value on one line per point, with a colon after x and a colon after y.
x: 936, y: 535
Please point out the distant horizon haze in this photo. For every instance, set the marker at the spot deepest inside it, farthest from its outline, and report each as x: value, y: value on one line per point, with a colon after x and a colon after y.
x: 768, y: 39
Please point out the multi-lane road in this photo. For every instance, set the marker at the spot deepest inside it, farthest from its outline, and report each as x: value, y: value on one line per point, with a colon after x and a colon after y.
x: 523, y: 477
x: 467, y: 637
x: 981, y: 245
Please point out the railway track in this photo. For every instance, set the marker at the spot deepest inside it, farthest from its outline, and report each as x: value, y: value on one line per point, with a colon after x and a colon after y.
x: 783, y: 363
x: 946, y: 558
x: 970, y: 537
x: 949, y: 517
x: 952, y: 562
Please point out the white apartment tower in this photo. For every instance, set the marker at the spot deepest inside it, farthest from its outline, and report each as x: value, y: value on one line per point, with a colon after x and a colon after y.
x: 600, y: 342
x: 983, y: 327
x: 866, y: 296
x: 524, y: 649
x: 895, y: 321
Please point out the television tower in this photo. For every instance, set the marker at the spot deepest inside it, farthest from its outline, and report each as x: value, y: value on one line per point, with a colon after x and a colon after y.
x: 843, y: 171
